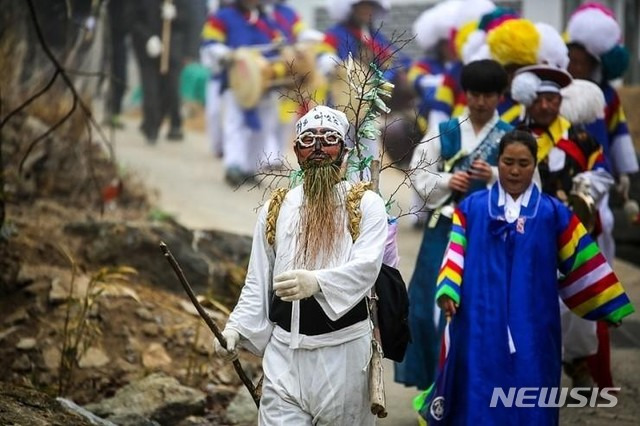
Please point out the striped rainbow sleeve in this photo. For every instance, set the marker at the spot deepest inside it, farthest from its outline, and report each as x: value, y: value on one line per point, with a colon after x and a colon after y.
x: 328, y: 45
x: 459, y: 104
x: 445, y: 96
x: 450, y: 277
x: 597, y: 161
x: 417, y: 70
x: 449, y: 98
x: 298, y: 26
x: 616, y: 119
x: 512, y: 114
x: 214, y: 31
x: 590, y: 288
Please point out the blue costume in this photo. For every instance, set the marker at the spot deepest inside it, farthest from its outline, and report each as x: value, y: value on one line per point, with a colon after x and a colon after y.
x: 431, y: 79
x: 510, y: 110
x: 450, y: 99
x: 365, y: 45
x: 419, y: 366
x: 235, y: 28
x: 342, y: 39
x: 506, y: 331
x: 247, y: 131
x: 288, y: 21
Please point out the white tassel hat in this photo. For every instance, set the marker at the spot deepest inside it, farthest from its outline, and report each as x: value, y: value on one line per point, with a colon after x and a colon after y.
x: 531, y: 80
x: 552, y: 50
x: 582, y: 102
x: 437, y: 23
x: 595, y: 28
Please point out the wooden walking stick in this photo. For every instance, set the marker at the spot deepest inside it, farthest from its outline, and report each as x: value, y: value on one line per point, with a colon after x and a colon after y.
x: 376, y: 371
x: 212, y: 325
x: 166, y: 42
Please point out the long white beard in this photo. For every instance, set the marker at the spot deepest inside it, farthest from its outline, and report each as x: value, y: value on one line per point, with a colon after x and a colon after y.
x: 321, y: 217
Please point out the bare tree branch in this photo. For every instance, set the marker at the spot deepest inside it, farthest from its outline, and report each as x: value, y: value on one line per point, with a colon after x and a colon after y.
x: 49, y: 131
x: 65, y: 77
x: 31, y: 99
x: 355, y: 83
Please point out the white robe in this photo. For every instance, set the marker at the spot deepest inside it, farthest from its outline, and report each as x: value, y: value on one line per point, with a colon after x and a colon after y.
x: 308, y: 360
x: 214, y: 116
x: 243, y: 147
x: 428, y: 178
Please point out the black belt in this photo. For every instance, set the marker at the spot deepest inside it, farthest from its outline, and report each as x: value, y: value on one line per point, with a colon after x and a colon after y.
x: 313, y: 320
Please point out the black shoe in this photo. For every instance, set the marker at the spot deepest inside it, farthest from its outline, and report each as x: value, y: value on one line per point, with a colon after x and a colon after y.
x: 251, y: 180
x: 149, y: 136
x: 175, y: 135
x: 234, y: 176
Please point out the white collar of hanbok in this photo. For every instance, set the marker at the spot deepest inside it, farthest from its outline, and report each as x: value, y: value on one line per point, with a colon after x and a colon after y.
x: 466, y: 127
x: 524, y: 197
x: 512, y: 207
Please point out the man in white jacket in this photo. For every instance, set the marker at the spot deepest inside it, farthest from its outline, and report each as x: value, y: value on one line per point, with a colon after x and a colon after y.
x: 303, y: 306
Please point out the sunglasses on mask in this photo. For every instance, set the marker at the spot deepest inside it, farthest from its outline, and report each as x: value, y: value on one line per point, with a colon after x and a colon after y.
x: 308, y: 139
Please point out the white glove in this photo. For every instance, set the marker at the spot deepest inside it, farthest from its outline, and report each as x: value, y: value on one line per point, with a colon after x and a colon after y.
x: 596, y: 183
x: 230, y: 354
x: 154, y: 46
x: 327, y: 64
x: 168, y: 11
x: 581, y: 184
x: 624, y: 183
x: 216, y: 57
x: 295, y: 285
x: 90, y: 23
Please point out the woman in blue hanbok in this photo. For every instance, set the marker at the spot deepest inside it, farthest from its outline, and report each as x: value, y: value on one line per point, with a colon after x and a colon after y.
x: 455, y: 159
x: 499, y: 285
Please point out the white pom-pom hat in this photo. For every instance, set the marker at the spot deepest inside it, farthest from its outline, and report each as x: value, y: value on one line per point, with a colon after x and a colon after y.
x: 474, y: 47
x: 531, y: 80
x: 594, y: 29
x: 436, y: 23
x: 553, y: 50
x: 483, y: 52
x: 475, y: 42
x: 582, y: 102
x: 339, y: 10
x: 524, y: 88
x: 472, y: 10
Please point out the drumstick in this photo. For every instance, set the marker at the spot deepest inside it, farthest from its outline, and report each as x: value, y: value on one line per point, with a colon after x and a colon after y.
x: 166, y: 43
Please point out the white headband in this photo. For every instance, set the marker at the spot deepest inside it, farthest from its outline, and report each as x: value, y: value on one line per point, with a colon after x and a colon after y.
x: 547, y: 86
x: 526, y: 86
x: 323, y: 117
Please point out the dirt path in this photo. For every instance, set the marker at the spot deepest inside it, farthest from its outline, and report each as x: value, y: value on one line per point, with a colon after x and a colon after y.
x: 189, y: 184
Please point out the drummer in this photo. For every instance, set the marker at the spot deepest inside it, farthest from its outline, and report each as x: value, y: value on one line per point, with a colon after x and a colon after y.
x: 356, y: 33
x: 295, y: 31
x: 246, y: 132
